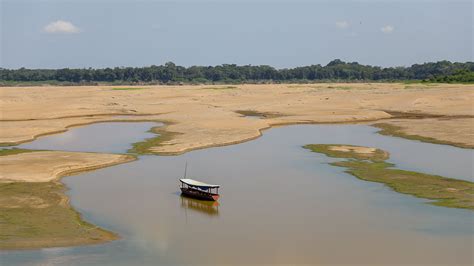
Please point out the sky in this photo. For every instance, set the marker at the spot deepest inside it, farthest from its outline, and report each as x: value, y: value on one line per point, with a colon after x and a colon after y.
x: 281, y: 33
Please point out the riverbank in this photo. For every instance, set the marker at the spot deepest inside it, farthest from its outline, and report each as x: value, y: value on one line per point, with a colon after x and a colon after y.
x: 206, y: 116
x: 46, y: 166
x: 34, y: 211
x: 458, y: 132
x: 38, y: 215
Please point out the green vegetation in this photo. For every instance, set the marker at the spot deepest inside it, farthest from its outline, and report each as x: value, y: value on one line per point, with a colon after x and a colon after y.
x: 37, y: 215
x: 169, y: 73
x: 339, y: 87
x: 220, y: 88
x: 444, y: 191
x: 460, y: 76
x: 13, y: 151
x: 253, y: 113
x: 396, y: 131
x: 127, y: 89
x: 143, y: 147
x: 376, y: 156
x: 417, y: 83
x: 28, y: 83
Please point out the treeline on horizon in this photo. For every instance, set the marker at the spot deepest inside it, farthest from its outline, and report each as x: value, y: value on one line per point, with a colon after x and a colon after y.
x: 169, y: 73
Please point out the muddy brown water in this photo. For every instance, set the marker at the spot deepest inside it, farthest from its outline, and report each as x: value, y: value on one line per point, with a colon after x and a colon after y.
x: 280, y: 204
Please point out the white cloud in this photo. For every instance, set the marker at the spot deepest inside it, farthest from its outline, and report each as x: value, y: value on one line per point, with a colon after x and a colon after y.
x: 342, y: 24
x: 61, y: 26
x: 387, y: 29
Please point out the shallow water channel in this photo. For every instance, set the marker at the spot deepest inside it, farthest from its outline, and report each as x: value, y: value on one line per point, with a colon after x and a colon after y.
x: 280, y: 203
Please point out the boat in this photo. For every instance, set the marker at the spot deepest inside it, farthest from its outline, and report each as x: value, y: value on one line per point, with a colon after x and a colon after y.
x: 199, y: 190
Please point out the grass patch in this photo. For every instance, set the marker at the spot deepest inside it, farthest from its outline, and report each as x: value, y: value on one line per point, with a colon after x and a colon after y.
x: 446, y: 192
x: 376, y: 156
x: 221, y: 88
x: 415, y: 115
x: 143, y: 147
x: 128, y: 89
x: 396, y: 131
x: 296, y: 86
x: 339, y: 87
x: 13, y: 151
x: 37, y: 215
x: 10, y: 83
x: 253, y: 113
x: 312, y: 86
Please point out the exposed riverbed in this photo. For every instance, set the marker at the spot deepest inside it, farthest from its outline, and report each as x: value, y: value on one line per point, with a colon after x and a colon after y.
x: 280, y: 203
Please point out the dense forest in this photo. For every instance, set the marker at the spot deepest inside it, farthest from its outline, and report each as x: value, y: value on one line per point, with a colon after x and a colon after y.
x: 169, y: 73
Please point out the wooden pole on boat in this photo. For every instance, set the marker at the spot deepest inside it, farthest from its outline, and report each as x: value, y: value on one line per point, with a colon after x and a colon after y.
x: 185, y: 169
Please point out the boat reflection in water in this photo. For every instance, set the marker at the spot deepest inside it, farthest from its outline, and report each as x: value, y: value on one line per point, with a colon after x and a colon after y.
x: 210, y: 208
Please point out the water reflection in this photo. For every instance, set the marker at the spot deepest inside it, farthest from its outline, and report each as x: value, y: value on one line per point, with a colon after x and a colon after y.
x: 210, y: 208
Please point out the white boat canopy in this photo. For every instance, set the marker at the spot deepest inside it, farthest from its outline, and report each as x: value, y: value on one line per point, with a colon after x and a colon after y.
x: 199, y: 184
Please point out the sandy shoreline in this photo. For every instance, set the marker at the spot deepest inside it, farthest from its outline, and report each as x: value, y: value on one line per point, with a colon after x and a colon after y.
x: 204, y: 117
x: 47, y: 166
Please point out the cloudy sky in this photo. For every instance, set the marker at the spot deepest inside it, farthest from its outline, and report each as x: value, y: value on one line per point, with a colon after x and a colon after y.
x: 281, y: 33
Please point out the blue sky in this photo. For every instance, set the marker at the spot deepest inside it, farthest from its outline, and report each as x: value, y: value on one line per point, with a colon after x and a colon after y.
x: 284, y: 33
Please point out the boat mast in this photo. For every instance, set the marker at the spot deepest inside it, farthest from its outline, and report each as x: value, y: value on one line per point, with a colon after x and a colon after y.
x: 185, y: 169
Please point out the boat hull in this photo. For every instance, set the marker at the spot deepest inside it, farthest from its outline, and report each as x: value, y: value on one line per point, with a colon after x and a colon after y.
x: 197, y: 194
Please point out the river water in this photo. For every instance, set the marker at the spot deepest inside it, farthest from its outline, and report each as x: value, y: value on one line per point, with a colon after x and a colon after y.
x: 280, y: 203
